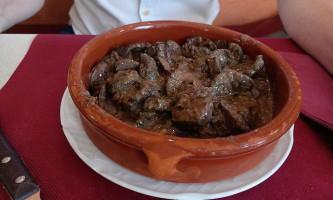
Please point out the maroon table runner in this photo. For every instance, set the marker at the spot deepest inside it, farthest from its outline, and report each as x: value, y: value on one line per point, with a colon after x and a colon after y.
x: 30, y: 119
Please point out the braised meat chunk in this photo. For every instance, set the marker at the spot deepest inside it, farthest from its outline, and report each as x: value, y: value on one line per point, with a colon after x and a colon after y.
x: 203, y: 88
x: 217, y: 61
x: 148, y: 68
x: 194, y: 106
x: 181, y: 77
x: 98, y: 76
x: 158, y: 103
x: 125, y: 64
x: 240, y: 112
x: 231, y: 82
x: 123, y: 79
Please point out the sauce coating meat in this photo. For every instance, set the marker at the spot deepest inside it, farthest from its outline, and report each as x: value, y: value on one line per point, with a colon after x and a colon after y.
x: 201, y: 89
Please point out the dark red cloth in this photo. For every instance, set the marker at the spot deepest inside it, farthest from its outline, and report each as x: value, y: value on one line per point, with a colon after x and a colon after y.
x: 316, y: 82
x: 30, y: 119
x: 317, y: 86
x: 261, y: 28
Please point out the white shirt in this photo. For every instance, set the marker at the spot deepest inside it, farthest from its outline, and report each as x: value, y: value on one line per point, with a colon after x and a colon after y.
x: 98, y: 16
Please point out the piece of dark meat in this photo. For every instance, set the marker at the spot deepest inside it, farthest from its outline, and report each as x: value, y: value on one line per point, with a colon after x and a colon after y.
x: 240, y: 112
x: 193, y: 107
x: 178, y: 78
x: 230, y: 82
x: 167, y: 49
x: 169, y: 65
x: 218, y: 125
x: 125, y: 64
x: 197, y: 52
x: 172, y: 49
x: 257, y: 69
x: 260, y: 87
x: 236, y: 53
x: 104, y: 100
x: 197, y: 41
x: 123, y: 79
x: 243, y: 67
x: 115, y: 55
x: 126, y: 99
x: 133, y: 95
x: 157, y: 103
x: 160, y: 49
x: 123, y: 52
x: 165, y: 64
x: 147, y: 89
x: 111, y: 58
x: 221, y: 44
x: 183, y: 66
x: 148, y: 67
x: 179, y: 59
x: 98, y: 76
x: 137, y: 49
x: 123, y: 86
x: 217, y: 60
x: 199, y: 68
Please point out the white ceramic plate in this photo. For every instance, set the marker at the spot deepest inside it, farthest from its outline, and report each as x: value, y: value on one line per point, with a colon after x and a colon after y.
x: 95, y: 159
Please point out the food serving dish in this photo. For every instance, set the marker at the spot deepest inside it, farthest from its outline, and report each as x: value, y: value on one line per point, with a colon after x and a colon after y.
x: 96, y: 160
x: 176, y: 159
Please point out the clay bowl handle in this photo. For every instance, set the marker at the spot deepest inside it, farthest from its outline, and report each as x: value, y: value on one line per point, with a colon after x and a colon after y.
x: 163, y: 160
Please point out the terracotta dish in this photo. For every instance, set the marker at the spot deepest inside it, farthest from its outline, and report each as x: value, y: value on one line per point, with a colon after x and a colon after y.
x: 171, y: 158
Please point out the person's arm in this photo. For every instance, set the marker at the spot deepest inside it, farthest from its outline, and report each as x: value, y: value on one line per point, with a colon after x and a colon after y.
x: 241, y: 12
x: 15, y: 11
x: 310, y: 24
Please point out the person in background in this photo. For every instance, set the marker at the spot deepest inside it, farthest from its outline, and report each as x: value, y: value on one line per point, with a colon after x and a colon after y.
x: 310, y: 24
x: 15, y: 11
x: 96, y: 17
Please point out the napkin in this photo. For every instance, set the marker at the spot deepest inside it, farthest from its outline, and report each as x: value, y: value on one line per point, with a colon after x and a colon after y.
x: 317, y: 88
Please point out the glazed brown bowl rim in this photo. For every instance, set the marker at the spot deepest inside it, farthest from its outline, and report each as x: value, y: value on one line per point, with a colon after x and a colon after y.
x: 214, y: 147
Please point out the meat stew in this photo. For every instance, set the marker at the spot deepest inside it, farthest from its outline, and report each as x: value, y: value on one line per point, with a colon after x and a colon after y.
x: 200, y: 89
